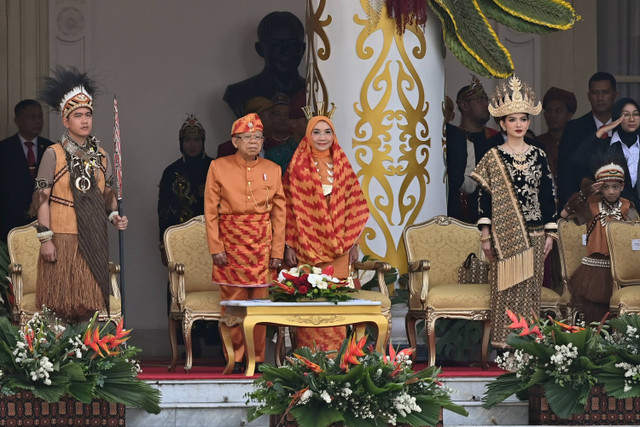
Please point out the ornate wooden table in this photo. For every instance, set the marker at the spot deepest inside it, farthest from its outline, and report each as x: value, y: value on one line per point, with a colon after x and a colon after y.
x: 247, y: 314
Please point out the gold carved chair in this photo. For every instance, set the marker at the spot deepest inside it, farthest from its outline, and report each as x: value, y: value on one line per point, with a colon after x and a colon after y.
x: 24, y: 249
x: 193, y: 295
x: 435, y: 251
x: 571, y: 252
x: 624, y: 247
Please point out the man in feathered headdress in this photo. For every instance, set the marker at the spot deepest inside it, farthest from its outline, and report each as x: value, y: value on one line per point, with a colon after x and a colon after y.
x: 74, y: 201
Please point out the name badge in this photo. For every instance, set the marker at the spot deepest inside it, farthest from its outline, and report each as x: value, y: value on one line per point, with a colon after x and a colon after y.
x: 635, y: 244
x: 584, y: 240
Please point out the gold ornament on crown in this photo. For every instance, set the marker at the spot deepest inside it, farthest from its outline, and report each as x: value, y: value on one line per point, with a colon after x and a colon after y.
x: 521, y: 100
x: 321, y: 110
x: 315, y: 32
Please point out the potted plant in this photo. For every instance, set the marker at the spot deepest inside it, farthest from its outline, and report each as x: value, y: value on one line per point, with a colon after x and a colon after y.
x: 571, y: 368
x: 352, y: 387
x: 49, y: 367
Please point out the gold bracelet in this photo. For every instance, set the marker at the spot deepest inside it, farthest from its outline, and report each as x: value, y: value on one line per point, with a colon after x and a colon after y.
x: 485, y: 238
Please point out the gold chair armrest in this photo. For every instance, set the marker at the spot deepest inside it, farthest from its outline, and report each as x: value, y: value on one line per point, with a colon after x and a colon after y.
x: 381, y: 268
x: 176, y: 281
x: 114, y: 271
x: 422, y: 267
x: 16, y: 279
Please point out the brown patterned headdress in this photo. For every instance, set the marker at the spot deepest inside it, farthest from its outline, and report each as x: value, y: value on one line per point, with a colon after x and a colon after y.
x: 474, y: 90
x: 610, y: 172
x: 191, y: 127
x: 522, y: 99
x: 68, y: 89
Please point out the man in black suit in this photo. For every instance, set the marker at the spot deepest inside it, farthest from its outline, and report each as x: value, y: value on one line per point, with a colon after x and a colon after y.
x: 602, y: 93
x: 20, y: 157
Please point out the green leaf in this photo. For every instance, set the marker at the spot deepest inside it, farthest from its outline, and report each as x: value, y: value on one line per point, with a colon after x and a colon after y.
x: 500, y: 389
x: 307, y: 415
x: 478, y: 37
x: 556, y: 14
x: 495, y: 12
x: 565, y: 401
x: 453, y: 43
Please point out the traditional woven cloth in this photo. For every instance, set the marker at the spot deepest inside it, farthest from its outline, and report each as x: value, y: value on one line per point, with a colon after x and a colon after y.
x: 508, y: 228
x: 248, y: 242
x: 317, y: 230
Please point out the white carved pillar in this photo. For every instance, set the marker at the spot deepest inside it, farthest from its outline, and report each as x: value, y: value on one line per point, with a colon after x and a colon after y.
x: 70, y: 41
x: 389, y: 90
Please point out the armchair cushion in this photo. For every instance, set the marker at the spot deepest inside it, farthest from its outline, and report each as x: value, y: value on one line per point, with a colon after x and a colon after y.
x: 28, y: 304
x: 548, y: 296
x: 626, y: 299
x: 459, y: 297
x: 202, y: 301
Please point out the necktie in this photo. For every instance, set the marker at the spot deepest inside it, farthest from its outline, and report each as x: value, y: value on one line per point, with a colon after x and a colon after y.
x: 604, y: 135
x: 31, y: 159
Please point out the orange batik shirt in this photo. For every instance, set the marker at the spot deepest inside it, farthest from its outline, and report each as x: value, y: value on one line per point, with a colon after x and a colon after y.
x: 245, y: 217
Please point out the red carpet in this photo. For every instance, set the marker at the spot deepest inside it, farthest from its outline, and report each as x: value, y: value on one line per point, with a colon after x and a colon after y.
x: 157, y: 370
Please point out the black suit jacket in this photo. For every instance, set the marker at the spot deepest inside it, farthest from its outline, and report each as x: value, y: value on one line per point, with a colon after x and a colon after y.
x: 16, y: 184
x: 595, y: 152
x: 570, y: 173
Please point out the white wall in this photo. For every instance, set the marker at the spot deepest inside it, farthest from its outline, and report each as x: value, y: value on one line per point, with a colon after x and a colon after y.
x: 163, y: 59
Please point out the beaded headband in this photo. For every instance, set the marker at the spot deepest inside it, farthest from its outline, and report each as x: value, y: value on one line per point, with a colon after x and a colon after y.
x: 77, y: 97
x: 475, y: 90
x: 610, y: 172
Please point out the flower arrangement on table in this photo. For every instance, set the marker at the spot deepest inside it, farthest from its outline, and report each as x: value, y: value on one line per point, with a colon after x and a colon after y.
x: 567, y: 361
x: 83, y: 361
x: 310, y: 283
x: 357, y: 387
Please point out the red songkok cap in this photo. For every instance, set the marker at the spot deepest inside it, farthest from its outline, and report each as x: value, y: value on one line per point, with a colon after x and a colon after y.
x: 249, y: 123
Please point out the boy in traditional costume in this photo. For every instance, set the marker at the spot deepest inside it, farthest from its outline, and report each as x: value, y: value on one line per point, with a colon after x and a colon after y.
x: 595, y: 205
x: 74, y: 201
x: 244, y: 210
x: 516, y: 210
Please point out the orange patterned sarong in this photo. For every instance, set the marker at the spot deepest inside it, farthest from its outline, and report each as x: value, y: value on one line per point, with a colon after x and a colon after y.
x: 247, y: 242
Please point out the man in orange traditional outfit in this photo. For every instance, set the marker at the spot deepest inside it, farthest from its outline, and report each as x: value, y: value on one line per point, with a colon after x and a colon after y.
x: 244, y: 210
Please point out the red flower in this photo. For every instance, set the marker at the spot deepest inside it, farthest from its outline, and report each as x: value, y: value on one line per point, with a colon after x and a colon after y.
x: 328, y: 270
x: 303, y: 289
x: 352, y: 352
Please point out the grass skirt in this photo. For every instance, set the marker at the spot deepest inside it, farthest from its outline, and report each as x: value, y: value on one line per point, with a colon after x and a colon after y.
x: 593, y: 287
x: 67, y: 286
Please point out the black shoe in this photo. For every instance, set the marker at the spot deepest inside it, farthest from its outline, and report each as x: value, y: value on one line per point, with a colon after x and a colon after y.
x: 238, y: 368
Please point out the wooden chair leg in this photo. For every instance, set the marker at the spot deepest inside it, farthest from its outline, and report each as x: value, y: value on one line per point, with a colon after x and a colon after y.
x: 486, y: 334
x: 173, y: 340
x: 430, y: 325
x: 280, y: 350
x: 186, y: 331
x: 410, y: 328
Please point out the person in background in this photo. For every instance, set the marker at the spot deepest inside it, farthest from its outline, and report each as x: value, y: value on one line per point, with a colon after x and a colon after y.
x: 456, y: 149
x: 473, y: 104
x: 279, y: 144
x: 181, y: 195
x: 297, y: 119
x: 602, y: 94
x: 244, y: 210
x: 558, y: 106
x: 20, y: 157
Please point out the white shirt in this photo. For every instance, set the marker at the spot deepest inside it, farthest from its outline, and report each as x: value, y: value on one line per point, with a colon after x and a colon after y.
x: 631, y: 154
x: 25, y: 148
x: 599, y: 124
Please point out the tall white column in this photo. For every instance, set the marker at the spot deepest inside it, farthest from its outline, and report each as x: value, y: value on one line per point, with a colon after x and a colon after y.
x: 389, y: 90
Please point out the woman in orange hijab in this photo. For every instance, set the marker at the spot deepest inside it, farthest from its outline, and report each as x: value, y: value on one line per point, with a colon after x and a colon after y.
x: 326, y: 213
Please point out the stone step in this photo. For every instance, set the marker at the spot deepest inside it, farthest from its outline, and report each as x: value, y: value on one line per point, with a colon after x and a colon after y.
x: 222, y: 403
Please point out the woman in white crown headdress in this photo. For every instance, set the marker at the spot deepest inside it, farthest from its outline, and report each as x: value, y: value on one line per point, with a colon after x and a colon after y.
x: 516, y: 210
x: 73, y: 201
